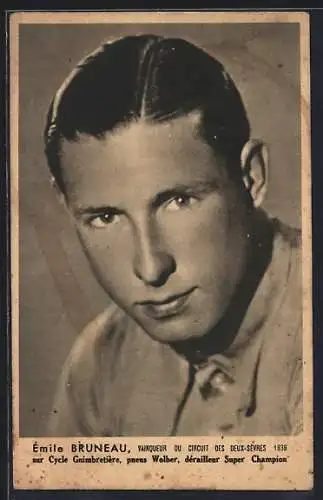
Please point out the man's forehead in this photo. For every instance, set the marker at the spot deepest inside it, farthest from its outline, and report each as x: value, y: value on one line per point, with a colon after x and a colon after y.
x: 177, y: 133
x: 141, y: 159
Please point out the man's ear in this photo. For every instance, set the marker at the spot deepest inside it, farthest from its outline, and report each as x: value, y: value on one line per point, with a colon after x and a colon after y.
x: 254, y: 164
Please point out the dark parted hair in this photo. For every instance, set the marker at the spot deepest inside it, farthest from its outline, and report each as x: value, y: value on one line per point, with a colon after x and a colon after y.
x: 152, y: 78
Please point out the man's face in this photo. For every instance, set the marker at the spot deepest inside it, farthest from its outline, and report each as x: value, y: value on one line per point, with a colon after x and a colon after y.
x: 163, y: 226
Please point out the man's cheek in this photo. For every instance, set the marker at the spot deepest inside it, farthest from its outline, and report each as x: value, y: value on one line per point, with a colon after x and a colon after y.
x: 101, y: 247
x: 116, y: 272
x: 207, y: 245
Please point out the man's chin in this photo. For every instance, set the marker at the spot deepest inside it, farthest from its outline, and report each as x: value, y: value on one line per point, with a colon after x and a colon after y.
x: 172, y: 334
x: 178, y: 328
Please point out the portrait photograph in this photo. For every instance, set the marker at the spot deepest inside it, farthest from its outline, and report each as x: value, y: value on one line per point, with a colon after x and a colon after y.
x: 161, y: 250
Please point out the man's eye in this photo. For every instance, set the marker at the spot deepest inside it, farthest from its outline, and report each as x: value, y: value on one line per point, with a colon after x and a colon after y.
x: 180, y: 202
x: 103, y: 220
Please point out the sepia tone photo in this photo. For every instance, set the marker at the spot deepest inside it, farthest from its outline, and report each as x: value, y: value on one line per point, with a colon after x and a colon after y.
x: 161, y: 249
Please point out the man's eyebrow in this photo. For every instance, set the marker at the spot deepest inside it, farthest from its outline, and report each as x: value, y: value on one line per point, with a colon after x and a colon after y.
x: 196, y: 188
x: 93, y: 210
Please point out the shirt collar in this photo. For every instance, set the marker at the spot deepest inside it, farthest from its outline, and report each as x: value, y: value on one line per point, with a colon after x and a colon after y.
x: 237, y: 365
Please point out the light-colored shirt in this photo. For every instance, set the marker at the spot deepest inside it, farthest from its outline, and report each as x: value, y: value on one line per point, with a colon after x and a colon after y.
x: 117, y: 381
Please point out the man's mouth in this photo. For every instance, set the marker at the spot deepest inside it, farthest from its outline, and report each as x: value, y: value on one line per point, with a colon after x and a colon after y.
x: 167, y: 308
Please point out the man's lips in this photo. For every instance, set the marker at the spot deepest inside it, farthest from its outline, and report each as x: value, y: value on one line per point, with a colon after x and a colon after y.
x: 165, y: 308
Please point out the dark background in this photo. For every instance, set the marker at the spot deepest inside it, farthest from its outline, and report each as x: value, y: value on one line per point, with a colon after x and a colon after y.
x: 58, y: 294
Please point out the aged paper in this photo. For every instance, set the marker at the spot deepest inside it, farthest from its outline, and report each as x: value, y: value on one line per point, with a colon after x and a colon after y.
x: 54, y: 293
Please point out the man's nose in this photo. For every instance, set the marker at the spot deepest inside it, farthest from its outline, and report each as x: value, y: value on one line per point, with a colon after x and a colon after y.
x: 153, y: 264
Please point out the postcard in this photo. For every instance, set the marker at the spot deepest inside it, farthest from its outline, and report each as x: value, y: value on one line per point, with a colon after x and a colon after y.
x: 161, y: 259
